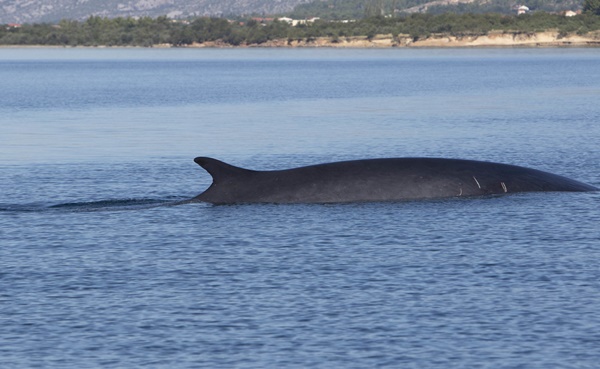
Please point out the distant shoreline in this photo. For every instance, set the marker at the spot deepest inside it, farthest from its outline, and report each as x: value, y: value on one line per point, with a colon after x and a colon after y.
x: 492, y: 39
x: 546, y: 39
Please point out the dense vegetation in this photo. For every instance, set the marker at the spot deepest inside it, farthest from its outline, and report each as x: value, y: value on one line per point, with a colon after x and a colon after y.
x: 355, y: 9
x: 592, y: 7
x: 149, y: 31
x: 509, y: 6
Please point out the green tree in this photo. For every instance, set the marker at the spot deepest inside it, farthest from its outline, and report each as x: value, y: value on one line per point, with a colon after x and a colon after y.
x: 592, y: 6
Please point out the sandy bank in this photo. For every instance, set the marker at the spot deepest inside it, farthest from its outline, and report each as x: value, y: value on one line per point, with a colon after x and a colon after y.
x: 492, y: 39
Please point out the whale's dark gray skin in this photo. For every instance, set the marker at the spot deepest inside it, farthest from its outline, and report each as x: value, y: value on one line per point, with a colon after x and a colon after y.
x: 374, y: 180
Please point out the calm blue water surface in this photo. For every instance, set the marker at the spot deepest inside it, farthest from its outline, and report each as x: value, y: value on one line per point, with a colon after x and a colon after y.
x: 97, y: 270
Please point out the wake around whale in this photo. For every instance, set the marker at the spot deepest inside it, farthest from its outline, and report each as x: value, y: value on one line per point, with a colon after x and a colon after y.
x: 376, y: 180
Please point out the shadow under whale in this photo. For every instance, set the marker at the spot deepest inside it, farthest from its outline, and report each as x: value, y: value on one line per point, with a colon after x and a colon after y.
x: 376, y: 180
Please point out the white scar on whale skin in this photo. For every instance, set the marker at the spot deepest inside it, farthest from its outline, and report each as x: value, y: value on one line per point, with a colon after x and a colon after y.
x: 476, y: 181
x: 504, y: 187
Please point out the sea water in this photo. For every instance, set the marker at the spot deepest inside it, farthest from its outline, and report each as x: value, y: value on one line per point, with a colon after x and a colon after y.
x: 97, y: 269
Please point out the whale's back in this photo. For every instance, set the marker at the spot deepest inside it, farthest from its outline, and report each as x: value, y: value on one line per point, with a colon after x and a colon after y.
x: 392, y: 179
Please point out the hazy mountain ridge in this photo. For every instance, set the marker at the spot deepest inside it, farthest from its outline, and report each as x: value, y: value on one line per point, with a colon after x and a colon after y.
x: 31, y: 11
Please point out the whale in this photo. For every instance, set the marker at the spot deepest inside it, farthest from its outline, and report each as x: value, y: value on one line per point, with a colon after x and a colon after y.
x: 376, y: 180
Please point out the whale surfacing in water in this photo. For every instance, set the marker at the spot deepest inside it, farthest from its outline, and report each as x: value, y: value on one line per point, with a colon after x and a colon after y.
x: 375, y: 180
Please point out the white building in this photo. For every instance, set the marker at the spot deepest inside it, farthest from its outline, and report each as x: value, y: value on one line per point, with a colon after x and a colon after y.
x: 295, y: 22
x: 522, y: 10
x: 285, y: 19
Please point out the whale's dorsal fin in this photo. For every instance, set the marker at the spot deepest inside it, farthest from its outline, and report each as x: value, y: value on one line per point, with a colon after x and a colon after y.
x: 219, y: 170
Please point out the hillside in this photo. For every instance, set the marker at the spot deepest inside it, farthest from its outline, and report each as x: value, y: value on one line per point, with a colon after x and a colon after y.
x: 354, y: 9
x: 35, y: 11
x: 452, y: 30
